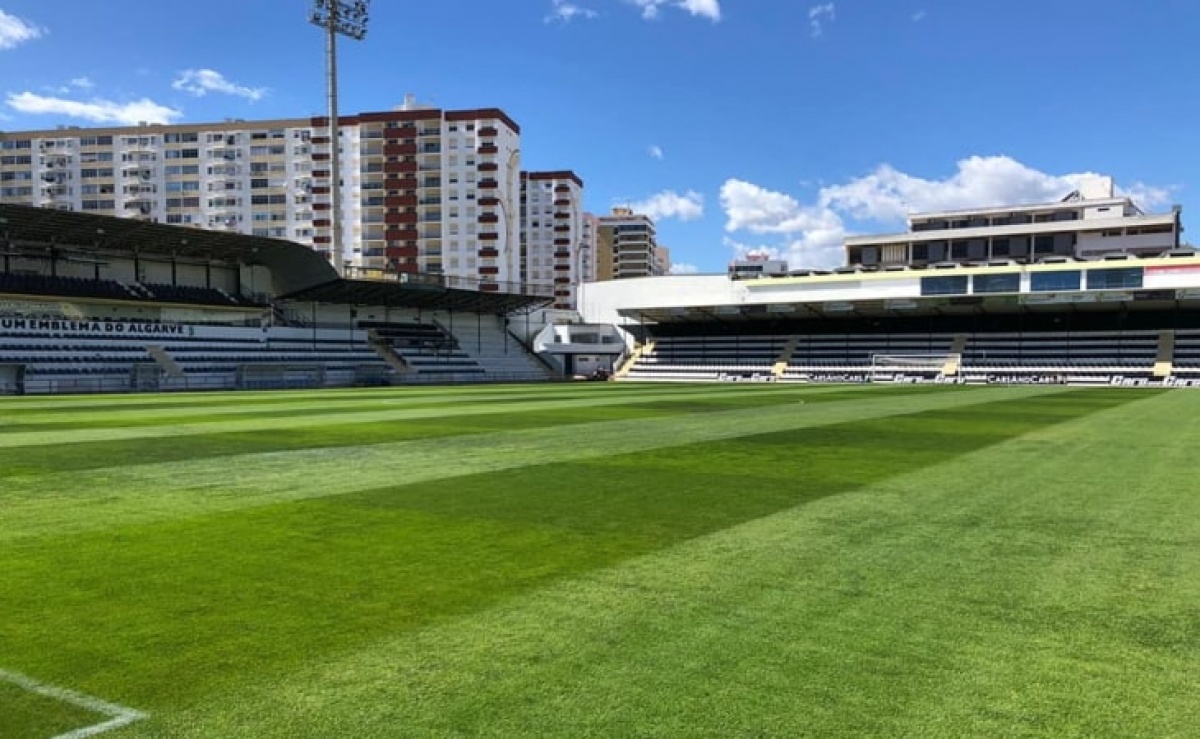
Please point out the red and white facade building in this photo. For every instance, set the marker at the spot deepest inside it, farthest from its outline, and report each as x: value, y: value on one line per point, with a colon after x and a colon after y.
x: 553, y: 243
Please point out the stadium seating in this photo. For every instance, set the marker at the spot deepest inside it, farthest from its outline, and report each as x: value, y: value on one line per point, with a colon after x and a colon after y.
x: 74, y: 287
x: 427, y: 351
x: 709, y: 358
x: 1081, y: 356
x: 1187, y: 353
x: 1074, y: 355
x: 204, y: 357
x: 190, y: 294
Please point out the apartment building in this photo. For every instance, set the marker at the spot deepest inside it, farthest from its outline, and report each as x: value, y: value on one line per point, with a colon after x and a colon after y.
x: 626, y: 246
x: 423, y: 189
x: 1090, y: 222
x: 553, y: 242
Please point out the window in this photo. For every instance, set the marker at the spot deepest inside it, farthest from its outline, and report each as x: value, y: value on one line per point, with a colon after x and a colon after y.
x: 1041, y: 282
x: 1114, y: 279
x: 1008, y: 282
x: 947, y: 285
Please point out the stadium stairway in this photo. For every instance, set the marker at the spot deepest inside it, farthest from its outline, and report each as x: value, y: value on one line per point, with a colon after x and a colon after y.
x: 785, y: 357
x: 1164, y: 360
x: 165, y: 361
x: 501, y: 356
x: 640, y: 351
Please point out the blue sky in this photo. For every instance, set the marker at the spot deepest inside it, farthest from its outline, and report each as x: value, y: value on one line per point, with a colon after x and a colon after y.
x: 766, y: 125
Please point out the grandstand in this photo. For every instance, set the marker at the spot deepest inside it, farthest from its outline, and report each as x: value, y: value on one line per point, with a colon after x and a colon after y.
x: 97, y: 304
x: 1106, y: 321
x: 1087, y: 290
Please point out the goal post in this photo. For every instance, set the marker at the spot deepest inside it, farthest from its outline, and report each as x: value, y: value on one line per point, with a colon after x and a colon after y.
x: 900, y: 367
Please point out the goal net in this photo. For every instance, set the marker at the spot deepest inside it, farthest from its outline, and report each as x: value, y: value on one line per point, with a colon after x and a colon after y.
x: 902, y: 367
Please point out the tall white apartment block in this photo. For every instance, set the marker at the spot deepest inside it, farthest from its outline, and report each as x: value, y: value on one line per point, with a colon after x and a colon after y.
x: 424, y: 190
x: 588, y: 247
x: 1090, y: 222
x: 552, y: 234
x: 249, y: 178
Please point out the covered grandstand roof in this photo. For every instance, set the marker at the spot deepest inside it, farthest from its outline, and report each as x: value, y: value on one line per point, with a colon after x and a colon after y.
x: 294, y: 266
x: 432, y: 295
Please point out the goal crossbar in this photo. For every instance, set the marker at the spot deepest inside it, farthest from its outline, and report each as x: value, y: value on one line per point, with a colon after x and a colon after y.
x: 888, y: 366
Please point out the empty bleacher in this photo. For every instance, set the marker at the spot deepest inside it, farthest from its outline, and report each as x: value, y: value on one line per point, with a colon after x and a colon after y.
x: 200, y: 357
x: 190, y: 294
x: 1186, y: 359
x: 1071, y: 356
x: 72, y: 287
x: 708, y: 358
x: 822, y: 355
x: 427, y: 351
x: 1060, y: 356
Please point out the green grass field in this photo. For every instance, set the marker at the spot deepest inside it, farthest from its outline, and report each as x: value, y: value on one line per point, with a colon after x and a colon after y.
x: 604, y: 560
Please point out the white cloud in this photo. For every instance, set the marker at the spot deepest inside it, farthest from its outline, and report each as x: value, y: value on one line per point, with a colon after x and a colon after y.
x: 200, y: 82
x: 683, y: 268
x: 710, y: 9
x: 810, y: 235
x: 749, y: 207
x: 83, y: 83
x: 96, y: 111
x: 918, y: 16
x: 818, y: 16
x: 15, y: 31
x: 670, y: 204
x: 655, y: 151
x: 564, y: 11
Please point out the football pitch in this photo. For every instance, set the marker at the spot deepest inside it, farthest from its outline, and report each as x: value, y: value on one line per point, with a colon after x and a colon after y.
x: 602, y: 560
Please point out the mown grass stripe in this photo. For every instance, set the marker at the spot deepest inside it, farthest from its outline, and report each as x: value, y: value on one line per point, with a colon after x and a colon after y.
x: 988, y: 595
x: 48, y: 504
x: 317, y: 415
x: 118, y: 414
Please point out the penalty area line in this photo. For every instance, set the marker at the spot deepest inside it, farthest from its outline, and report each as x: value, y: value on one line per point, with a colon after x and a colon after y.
x: 118, y: 715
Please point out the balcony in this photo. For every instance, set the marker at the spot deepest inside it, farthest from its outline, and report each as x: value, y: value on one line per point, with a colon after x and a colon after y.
x: 489, y: 253
x: 562, y: 202
x: 489, y: 218
x: 489, y: 236
x: 399, y: 167
x: 488, y: 166
x: 488, y: 131
x: 488, y: 184
x: 487, y: 149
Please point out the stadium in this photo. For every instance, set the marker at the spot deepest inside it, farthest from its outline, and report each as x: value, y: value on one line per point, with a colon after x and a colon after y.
x: 244, y: 496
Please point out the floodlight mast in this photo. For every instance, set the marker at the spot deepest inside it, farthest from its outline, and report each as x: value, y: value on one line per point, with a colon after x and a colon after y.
x: 348, y: 18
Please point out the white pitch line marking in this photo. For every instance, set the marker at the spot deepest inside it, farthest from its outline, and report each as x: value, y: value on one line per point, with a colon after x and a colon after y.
x: 119, y: 715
